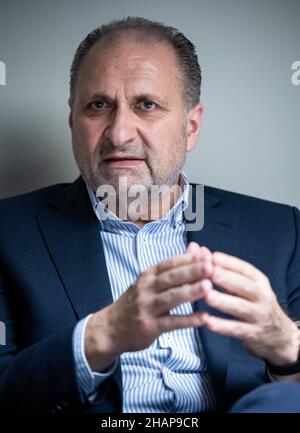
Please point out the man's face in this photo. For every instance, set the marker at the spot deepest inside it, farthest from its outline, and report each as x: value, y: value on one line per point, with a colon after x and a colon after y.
x: 129, y: 104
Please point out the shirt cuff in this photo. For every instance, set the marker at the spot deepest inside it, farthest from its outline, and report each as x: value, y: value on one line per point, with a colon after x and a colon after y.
x: 88, y: 380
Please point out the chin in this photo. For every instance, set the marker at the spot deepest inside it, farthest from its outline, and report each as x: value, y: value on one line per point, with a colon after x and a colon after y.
x: 132, y: 178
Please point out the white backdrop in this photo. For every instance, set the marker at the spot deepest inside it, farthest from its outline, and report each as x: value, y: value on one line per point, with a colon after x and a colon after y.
x: 250, y: 140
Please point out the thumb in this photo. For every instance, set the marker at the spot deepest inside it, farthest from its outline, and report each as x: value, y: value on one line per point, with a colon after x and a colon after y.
x: 193, y: 248
x: 198, y: 252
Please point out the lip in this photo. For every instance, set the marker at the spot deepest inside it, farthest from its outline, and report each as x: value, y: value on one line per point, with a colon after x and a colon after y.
x: 122, y: 162
x: 121, y: 156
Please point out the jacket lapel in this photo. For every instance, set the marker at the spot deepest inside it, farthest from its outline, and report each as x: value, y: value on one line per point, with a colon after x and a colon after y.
x: 219, y: 233
x: 72, y: 234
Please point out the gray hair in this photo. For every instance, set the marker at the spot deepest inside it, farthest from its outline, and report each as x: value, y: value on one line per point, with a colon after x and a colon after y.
x: 145, y: 30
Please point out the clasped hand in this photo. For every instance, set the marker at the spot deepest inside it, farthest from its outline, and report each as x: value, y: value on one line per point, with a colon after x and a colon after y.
x: 142, y: 313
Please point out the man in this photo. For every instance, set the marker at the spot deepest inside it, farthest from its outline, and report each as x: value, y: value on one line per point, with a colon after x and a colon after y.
x: 139, y: 314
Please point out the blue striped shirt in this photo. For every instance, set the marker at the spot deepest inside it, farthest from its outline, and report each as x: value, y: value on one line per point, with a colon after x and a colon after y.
x: 163, y: 377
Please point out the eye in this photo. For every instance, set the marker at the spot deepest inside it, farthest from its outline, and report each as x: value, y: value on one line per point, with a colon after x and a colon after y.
x: 97, y: 104
x: 148, y: 105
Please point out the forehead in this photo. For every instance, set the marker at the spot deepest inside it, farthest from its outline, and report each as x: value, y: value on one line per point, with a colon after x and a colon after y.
x: 131, y: 63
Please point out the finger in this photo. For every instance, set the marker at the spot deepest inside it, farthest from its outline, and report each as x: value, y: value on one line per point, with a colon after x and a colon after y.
x: 172, y: 322
x: 169, y: 299
x: 237, y: 307
x: 237, y: 265
x: 201, y: 253
x: 189, y: 273
x: 235, y: 283
x: 188, y: 257
x: 173, y: 262
x: 231, y: 328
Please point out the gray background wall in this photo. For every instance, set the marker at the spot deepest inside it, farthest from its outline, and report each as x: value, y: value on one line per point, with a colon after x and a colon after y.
x: 250, y: 140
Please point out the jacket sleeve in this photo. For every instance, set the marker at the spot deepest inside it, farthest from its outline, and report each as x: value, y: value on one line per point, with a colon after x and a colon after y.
x: 293, y: 275
x: 40, y: 377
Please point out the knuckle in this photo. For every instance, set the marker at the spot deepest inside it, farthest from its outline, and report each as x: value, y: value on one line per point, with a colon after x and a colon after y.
x: 170, y: 263
x: 146, y: 272
x: 147, y: 327
x: 263, y: 280
x: 269, y: 311
x: 139, y: 294
x: 255, y: 334
x: 195, y: 271
x: 211, y: 299
x: 251, y: 337
x: 260, y: 315
x: 250, y: 292
x: 145, y: 281
x: 160, y: 303
x: 238, y: 310
x: 257, y: 287
x: 172, y: 297
x: 169, y: 277
x: 169, y: 297
x: 194, y: 290
x: 193, y: 320
x: 238, y: 329
x: 164, y: 325
x: 159, y: 268
x: 139, y: 297
x: 140, y: 285
x: 269, y: 299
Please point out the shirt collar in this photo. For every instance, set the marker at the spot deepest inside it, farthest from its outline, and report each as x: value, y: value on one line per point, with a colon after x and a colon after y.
x: 110, y: 222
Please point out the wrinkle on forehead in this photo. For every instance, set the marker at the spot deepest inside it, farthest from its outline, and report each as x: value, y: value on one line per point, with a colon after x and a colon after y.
x: 128, y: 56
x: 129, y: 63
x: 130, y: 72
x: 136, y: 63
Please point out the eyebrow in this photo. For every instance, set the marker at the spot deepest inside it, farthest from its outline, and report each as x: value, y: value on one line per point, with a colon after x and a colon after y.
x: 138, y: 98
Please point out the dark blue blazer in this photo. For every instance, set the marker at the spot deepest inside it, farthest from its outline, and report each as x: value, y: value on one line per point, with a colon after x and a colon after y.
x: 53, y: 273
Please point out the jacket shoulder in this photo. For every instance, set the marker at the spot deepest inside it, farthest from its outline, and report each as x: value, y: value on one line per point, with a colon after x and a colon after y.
x: 30, y: 201
x: 238, y: 202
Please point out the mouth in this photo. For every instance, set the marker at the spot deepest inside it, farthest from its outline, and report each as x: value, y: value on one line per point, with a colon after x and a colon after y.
x: 127, y: 161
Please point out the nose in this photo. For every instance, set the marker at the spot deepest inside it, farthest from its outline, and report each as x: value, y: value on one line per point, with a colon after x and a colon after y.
x: 122, y: 128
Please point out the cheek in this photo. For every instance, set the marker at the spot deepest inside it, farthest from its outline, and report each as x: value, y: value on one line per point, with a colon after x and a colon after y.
x: 159, y: 132
x: 167, y: 137
x: 86, y: 134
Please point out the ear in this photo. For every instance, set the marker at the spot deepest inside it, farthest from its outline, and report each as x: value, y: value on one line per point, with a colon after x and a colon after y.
x: 194, y: 121
x: 70, y: 120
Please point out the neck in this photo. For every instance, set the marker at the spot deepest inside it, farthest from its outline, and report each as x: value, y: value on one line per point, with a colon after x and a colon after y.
x: 144, y: 207
x: 148, y: 207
